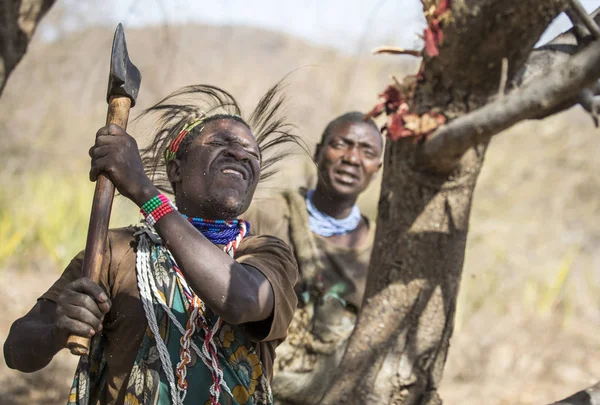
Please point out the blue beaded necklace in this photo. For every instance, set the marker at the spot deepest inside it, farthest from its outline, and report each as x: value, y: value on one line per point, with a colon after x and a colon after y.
x: 219, y: 231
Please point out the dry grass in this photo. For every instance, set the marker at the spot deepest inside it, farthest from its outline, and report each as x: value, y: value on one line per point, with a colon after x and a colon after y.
x: 528, y: 319
x: 46, y: 217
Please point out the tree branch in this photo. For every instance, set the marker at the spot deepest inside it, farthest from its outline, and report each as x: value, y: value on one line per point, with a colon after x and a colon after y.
x: 557, y: 50
x: 18, y: 21
x: 578, y: 27
x: 503, y: 78
x: 589, y: 396
x: 576, y: 7
x: 534, y: 99
x: 395, y: 50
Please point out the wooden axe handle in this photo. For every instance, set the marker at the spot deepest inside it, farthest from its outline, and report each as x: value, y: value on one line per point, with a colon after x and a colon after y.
x: 118, y: 113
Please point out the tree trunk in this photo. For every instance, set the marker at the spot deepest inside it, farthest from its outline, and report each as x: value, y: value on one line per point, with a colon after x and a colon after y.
x: 19, y: 19
x: 398, y: 349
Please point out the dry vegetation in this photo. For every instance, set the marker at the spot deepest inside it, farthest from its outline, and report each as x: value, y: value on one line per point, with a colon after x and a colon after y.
x: 528, y: 315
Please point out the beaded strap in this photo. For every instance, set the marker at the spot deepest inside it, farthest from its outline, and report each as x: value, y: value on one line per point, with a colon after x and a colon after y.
x: 156, y: 208
x: 171, y: 151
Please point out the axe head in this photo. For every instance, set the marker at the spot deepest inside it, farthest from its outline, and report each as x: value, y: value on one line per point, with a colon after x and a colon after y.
x: 124, y: 78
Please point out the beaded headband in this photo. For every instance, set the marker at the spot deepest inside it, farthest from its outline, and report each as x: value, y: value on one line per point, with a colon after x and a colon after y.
x: 171, y: 151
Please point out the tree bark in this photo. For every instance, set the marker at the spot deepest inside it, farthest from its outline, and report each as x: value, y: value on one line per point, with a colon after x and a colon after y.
x: 398, y: 349
x: 399, y: 346
x: 18, y: 21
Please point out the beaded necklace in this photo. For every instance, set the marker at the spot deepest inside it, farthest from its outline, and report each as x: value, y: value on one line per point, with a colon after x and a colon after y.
x: 325, y: 225
x: 222, y: 232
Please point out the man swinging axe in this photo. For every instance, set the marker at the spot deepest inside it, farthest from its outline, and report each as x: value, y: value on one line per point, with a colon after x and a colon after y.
x: 189, y: 307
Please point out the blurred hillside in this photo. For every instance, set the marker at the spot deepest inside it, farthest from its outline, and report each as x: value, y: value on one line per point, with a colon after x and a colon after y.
x: 55, y: 100
x: 528, y: 316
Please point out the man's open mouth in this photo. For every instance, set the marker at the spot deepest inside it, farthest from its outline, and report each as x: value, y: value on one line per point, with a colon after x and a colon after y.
x: 235, y: 171
x: 347, y: 177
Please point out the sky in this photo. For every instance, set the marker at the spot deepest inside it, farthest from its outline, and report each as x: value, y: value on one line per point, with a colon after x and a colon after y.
x: 344, y: 24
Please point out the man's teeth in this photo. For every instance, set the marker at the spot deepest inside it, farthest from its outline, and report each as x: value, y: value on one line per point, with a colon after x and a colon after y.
x: 233, y: 172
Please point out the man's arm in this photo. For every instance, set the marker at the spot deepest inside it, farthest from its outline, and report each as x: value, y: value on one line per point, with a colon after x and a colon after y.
x: 237, y: 293
x: 34, y: 339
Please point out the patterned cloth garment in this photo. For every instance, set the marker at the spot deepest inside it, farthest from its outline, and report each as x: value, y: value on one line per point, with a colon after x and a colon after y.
x: 243, y: 379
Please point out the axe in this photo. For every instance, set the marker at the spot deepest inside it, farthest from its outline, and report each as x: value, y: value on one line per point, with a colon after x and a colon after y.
x: 123, y: 86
